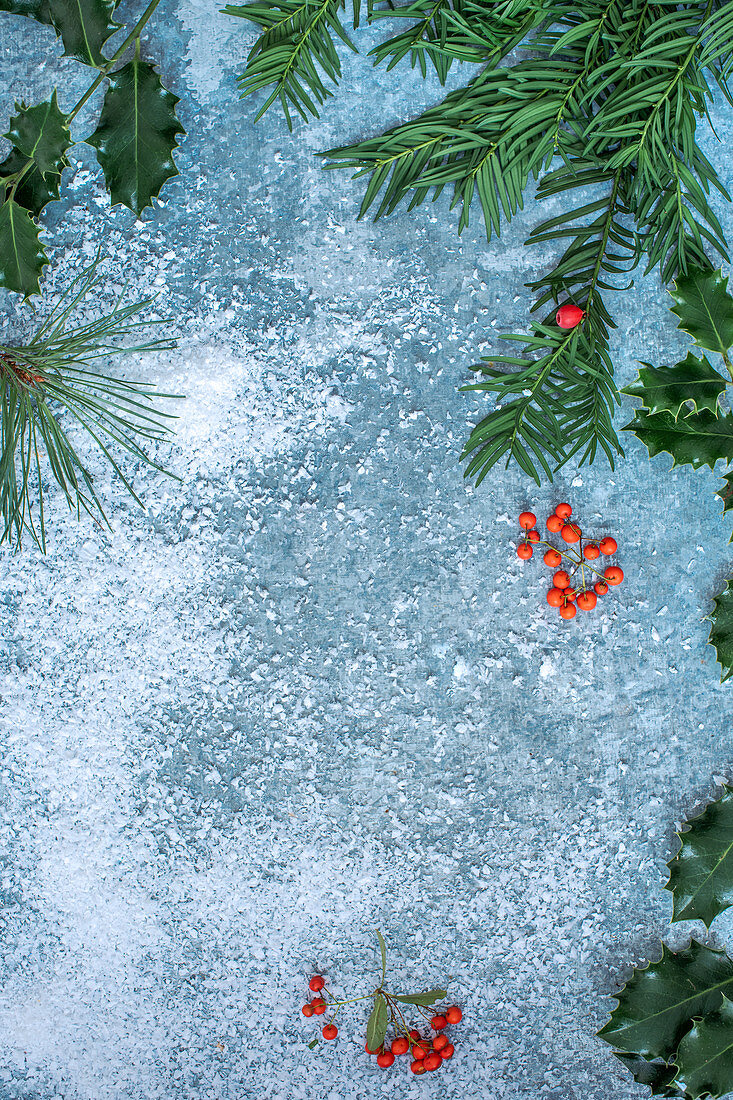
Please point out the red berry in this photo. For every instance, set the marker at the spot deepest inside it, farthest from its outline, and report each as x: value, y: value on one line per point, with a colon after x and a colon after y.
x: 330, y: 1031
x: 400, y: 1046
x: 417, y: 1067
x: 524, y: 551
x: 561, y: 579
x: 307, y: 1010
x: 447, y: 1052
x: 415, y: 1034
x: 437, y: 1022
x: 571, y: 532
x: 591, y: 551
x: 569, y: 594
x: 419, y: 1051
x: 552, y: 558
x: 369, y: 1050
x: 554, y: 524
x: 454, y: 1015
x: 440, y: 1042
x: 319, y: 1006
x: 568, y: 315
x: 564, y: 511
x: 608, y: 545
x: 601, y: 588
x: 316, y: 983
x: 569, y: 611
x: 533, y: 536
x: 528, y: 520
x: 385, y: 1059
x: 587, y: 601
x: 555, y: 597
x: 433, y: 1061
x: 613, y: 574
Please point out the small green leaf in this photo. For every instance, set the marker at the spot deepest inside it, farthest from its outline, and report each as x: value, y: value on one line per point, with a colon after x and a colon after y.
x: 84, y: 26
x: 656, y: 1006
x: 701, y: 874
x: 659, y: 1076
x: 721, y: 632
x: 705, y: 308
x: 377, y: 1023
x: 136, y: 135
x: 33, y: 192
x: 429, y: 997
x: 22, y: 256
x: 33, y: 9
x: 42, y: 134
x: 313, y: 1044
x: 705, y: 1057
x: 726, y: 493
x: 700, y: 439
x: 668, y: 389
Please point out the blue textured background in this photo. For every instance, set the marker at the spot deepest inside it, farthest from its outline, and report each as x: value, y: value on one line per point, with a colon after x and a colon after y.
x: 311, y: 690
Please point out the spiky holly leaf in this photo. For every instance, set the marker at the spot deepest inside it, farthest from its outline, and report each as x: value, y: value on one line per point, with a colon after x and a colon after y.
x: 34, y: 9
x: 377, y: 1023
x: 659, y: 1076
x: 84, y: 26
x: 705, y: 308
x: 705, y: 1058
x: 701, y: 874
x: 656, y: 1006
x: 668, y: 389
x: 33, y: 192
x: 726, y: 492
x: 22, y: 256
x: 42, y: 134
x: 721, y: 632
x: 699, y: 439
x: 136, y: 135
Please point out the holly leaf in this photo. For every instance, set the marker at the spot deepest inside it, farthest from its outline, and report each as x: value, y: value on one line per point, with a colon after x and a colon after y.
x: 429, y: 997
x: 33, y: 9
x: 656, y: 1006
x: 668, y: 389
x: 726, y: 493
x: 377, y: 1023
x: 705, y: 308
x: 136, y: 135
x: 699, y: 439
x: 34, y: 191
x: 659, y: 1076
x: 22, y: 256
x: 42, y: 134
x: 705, y: 1058
x: 721, y: 632
x: 701, y: 874
x: 84, y: 26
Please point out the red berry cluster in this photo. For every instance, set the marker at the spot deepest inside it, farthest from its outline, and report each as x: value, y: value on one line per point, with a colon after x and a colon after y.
x: 579, y: 584
x: 426, y: 1052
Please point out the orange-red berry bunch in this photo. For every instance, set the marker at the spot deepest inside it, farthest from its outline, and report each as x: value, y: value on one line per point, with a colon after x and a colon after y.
x: 578, y: 584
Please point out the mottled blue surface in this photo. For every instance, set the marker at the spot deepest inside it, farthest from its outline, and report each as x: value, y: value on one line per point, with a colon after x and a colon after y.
x: 312, y: 691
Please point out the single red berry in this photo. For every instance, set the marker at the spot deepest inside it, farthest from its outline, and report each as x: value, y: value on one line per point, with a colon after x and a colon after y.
x: 385, y: 1059
x: 601, y: 588
x: 330, y: 1031
x: 415, y: 1034
x: 433, y: 1061
x: 571, y: 532
x: 555, y: 597
x: 564, y: 511
x: 419, y: 1050
x: 554, y: 524
x: 524, y: 551
x: 569, y: 315
x: 533, y: 536
x: 438, y: 1021
x: 608, y: 545
x: 316, y: 983
x: 587, y: 601
x: 319, y: 1006
x: 400, y: 1045
x: 454, y: 1015
x: 369, y: 1050
x: 613, y: 574
x: 561, y: 579
x: 307, y: 1010
x: 591, y: 551
x: 552, y: 558
x: 569, y: 611
x: 447, y: 1052
x: 440, y: 1042
x: 528, y: 520
x: 569, y: 593
x: 417, y: 1067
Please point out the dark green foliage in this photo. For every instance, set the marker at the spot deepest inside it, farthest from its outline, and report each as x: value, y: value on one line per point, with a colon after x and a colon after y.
x: 705, y: 1058
x: 41, y: 134
x: 701, y: 874
x: 690, y: 386
x: 23, y: 255
x: 721, y: 632
x: 84, y: 27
